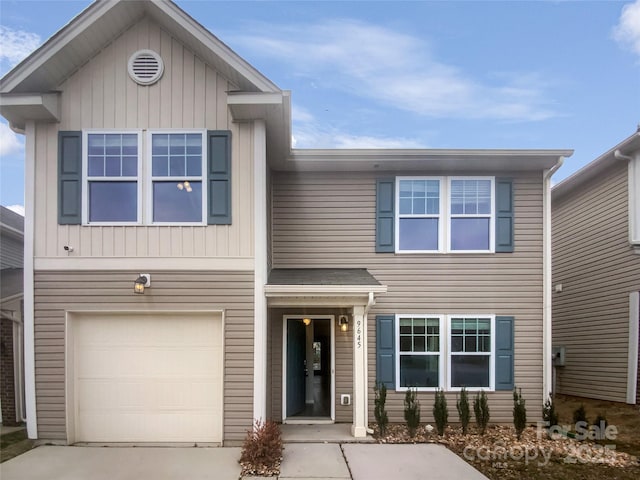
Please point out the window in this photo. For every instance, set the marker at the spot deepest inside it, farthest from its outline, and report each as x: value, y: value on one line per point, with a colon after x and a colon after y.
x: 419, y: 344
x: 421, y: 350
x: 112, y: 176
x: 419, y: 214
x: 470, y: 214
x: 470, y: 352
x: 463, y: 223
x: 178, y: 190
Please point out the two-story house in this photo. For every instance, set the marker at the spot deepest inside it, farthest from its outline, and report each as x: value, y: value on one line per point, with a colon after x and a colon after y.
x: 596, y: 276
x: 188, y: 272
x: 11, y: 325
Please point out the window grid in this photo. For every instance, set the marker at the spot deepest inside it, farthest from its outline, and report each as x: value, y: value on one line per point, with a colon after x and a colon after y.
x: 419, y: 207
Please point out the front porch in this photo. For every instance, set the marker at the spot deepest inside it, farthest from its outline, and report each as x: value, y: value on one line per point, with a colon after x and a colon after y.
x: 317, y: 348
x: 316, y: 433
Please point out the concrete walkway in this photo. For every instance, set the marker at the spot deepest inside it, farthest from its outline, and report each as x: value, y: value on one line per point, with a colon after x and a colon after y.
x: 302, y: 461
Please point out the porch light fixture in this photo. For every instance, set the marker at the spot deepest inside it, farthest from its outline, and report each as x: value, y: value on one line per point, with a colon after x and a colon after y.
x: 343, y: 322
x: 306, y: 321
x: 143, y: 281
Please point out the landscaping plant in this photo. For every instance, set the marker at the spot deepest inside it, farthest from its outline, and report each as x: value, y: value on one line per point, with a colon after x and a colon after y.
x: 463, y: 410
x: 519, y: 412
x: 440, y: 412
x: 580, y: 415
x: 549, y: 413
x: 481, y: 409
x: 412, y: 411
x: 380, y: 411
x: 262, y: 448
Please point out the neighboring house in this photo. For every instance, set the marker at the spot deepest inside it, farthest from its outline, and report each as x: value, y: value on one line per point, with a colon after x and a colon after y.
x: 11, y: 324
x: 282, y: 283
x: 596, y: 273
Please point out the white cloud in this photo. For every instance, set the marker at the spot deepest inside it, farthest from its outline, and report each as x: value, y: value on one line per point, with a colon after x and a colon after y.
x: 15, y: 45
x: 19, y: 209
x: 396, y: 69
x: 627, y: 31
x: 10, y: 143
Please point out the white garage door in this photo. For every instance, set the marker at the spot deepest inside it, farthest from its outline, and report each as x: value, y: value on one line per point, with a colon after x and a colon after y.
x: 147, y: 378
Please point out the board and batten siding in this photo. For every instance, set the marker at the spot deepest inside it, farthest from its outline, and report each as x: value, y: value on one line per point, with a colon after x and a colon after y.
x: 595, y: 264
x: 59, y: 292
x: 328, y: 220
x: 100, y: 95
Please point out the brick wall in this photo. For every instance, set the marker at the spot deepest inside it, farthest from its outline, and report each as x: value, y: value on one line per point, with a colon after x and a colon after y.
x: 7, y: 385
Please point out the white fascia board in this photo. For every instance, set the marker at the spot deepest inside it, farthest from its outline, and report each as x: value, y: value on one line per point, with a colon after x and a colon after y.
x: 214, y: 44
x: 55, y: 44
x: 322, y: 290
x: 19, y: 108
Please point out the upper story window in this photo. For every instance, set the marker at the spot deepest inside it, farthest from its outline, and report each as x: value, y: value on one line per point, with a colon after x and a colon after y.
x: 177, y: 164
x: 445, y: 214
x: 113, y: 177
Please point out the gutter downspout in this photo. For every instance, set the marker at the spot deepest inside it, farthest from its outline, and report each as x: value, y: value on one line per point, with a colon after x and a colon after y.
x: 547, y: 357
x: 370, y: 304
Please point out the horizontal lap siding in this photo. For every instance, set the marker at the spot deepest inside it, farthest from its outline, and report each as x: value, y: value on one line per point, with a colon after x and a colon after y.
x: 597, y: 268
x: 328, y: 220
x: 60, y: 292
x: 100, y: 95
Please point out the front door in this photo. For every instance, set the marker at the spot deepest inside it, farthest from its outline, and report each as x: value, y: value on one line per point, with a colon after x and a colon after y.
x: 308, y: 368
x: 296, y: 366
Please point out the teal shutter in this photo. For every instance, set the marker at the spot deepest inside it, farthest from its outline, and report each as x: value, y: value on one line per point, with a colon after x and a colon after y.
x: 386, y: 351
x: 504, y: 353
x: 504, y: 215
x: 219, y: 177
x: 69, y: 178
x: 385, y: 212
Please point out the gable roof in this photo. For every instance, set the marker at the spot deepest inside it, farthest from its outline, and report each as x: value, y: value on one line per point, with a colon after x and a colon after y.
x: 598, y: 166
x: 85, y: 35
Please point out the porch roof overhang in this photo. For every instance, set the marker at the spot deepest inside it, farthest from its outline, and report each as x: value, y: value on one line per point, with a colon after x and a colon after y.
x: 339, y: 287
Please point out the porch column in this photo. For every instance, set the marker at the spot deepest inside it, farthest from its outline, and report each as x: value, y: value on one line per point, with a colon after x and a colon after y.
x: 359, y: 427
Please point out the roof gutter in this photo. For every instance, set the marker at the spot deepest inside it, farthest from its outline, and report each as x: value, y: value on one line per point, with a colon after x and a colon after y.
x: 547, y: 359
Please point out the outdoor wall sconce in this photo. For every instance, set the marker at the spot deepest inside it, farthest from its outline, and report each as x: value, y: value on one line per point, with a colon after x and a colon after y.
x: 343, y: 322
x: 143, y: 281
x: 306, y: 321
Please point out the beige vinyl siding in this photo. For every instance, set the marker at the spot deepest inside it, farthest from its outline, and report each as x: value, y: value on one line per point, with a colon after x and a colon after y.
x: 100, y: 95
x: 328, y: 220
x: 11, y: 252
x: 60, y: 292
x: 343, y: 358
x: 595, y: 264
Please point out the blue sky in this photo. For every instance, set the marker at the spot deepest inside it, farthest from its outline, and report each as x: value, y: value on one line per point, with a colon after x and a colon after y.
x: 426, y: 74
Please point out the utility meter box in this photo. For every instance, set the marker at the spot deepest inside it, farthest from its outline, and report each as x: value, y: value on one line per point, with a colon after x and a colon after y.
x: 558, y: 355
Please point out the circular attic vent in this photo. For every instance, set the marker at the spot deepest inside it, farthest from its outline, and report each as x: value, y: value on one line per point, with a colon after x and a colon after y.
x: 145, y: 67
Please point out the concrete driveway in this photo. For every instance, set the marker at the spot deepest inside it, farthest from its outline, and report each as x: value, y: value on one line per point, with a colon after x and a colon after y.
x: 116, y: 463
x: 309, y: 461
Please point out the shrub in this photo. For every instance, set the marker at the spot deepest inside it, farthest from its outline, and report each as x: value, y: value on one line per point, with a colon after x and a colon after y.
x: 412, y: 411
x: 262, y: 448
x: 380, y: 411
x: 463, y: 410
x: 580, y: 415
x: 481, y: 409
x: 519, y: 413
x: 549, y: 413
x: 599, y: 427
x: 440, y: 412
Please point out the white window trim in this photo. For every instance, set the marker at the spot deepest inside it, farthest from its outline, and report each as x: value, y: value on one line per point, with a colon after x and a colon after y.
x: 492, y: 354
x: 149, y: 177
x: 444, y: 375
x: 86, y: 179
x: 492, y: 215
x: 441, y: 215
x: 440, y: 354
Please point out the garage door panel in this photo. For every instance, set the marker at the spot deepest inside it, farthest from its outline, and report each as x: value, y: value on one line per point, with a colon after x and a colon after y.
x: 139, y: 378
